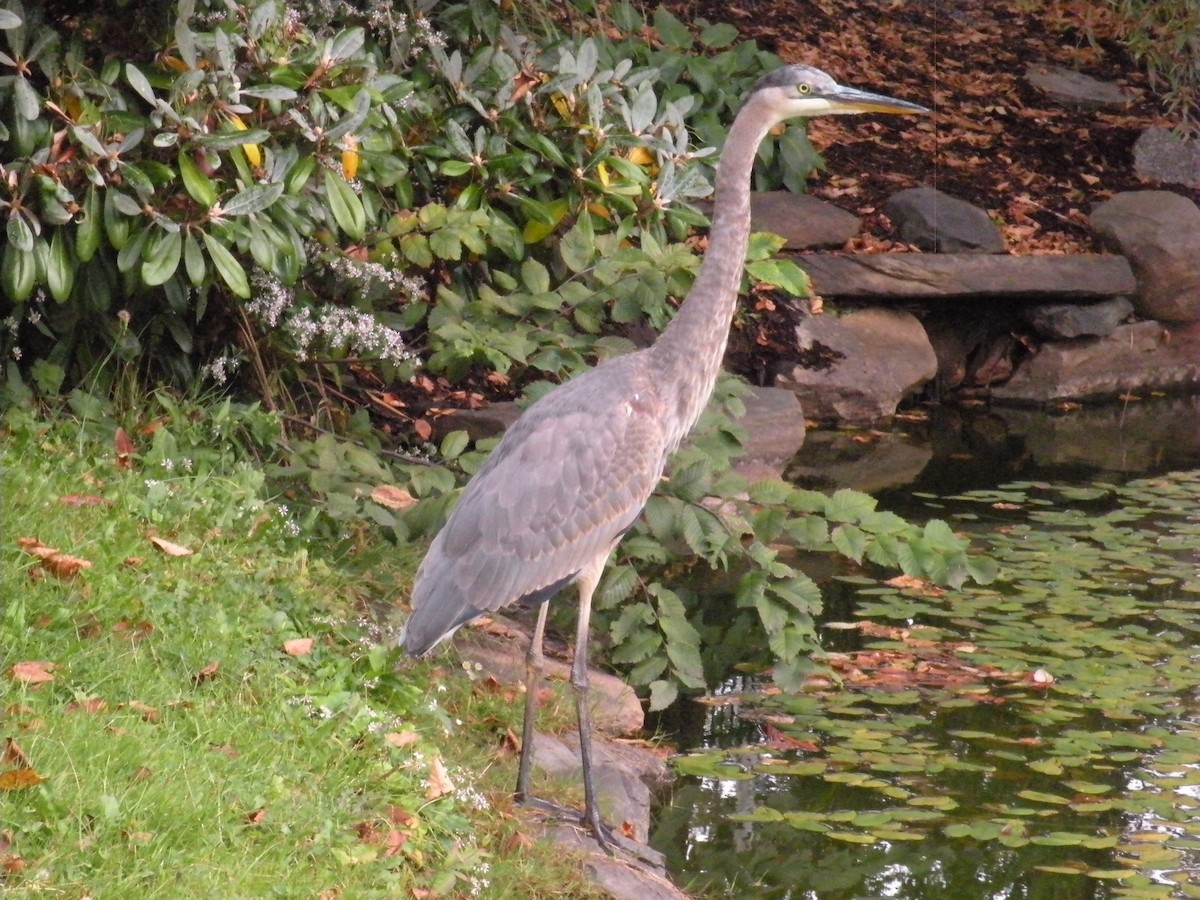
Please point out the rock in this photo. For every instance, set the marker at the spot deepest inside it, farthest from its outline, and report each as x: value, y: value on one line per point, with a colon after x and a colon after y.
x: 838, y: 459
x: 876, y: 358
x: 1159, y: 154
x: 1073, y: 88
x: 623, y: 775
x: 1141, y: 356
x: 774, y: 425
x: 936, y: 221
x: 1058, y: 321
x: 636, y: 873
x: 1159, y: 231
x: 615, y: 707
x: 803, y: 221
x: 953, y: 275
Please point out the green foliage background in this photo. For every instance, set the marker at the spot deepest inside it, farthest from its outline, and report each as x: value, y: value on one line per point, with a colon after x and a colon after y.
x: 325, y: 200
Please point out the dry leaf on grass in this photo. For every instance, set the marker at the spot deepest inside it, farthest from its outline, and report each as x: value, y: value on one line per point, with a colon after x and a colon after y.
x: 53, y: 560
x: 19, y: 779
x: 439, y: 783
x: 14, y: 755
x: 298, y: 646
x: 125, y: 448
x: 169, y: 548
x: 33, y: 671
x: 84, y: 500
x: 392, y: 497
x: 147, y: 712
x: 208, y: 672
x: 401, y: 738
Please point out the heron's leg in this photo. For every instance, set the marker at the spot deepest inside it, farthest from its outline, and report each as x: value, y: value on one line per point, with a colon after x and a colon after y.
x: 534, y: 661
x: 579, y: 680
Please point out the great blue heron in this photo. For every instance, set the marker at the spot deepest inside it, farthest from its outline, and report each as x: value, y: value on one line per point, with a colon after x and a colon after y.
x: 573, y: 473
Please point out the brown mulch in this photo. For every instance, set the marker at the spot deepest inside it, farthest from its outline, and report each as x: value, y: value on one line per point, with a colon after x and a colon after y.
x: 994, y: 140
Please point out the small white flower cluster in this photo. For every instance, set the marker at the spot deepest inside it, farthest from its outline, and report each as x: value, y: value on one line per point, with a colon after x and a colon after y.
x: 349, y: 329
x: 220, y: 369
x: 373, y: 277
x: 271, y: 298
x: 290, y: 526
x: 473, y: 797
x: 333, y: 326
x: 310, y: 706
x: 426, y: 34
x: 478, y: 880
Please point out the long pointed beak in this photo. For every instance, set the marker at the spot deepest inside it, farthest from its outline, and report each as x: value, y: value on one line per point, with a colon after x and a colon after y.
x: 852, y: 100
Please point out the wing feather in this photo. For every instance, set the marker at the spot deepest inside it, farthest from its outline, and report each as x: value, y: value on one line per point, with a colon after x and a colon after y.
x: 568, y: 478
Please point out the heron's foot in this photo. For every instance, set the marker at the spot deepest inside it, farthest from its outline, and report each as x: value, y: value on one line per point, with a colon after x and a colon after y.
x: 609, y: 840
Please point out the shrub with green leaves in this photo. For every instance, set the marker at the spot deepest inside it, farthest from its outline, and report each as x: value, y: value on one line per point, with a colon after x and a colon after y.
x: 319, y: 195
x: 441, y: 185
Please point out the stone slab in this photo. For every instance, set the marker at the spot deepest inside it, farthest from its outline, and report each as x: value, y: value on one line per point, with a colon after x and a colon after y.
x: 949, y: 276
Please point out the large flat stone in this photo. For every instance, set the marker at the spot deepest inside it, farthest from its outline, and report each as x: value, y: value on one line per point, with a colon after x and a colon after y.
x: 801, y: 220
x: 1144, y: 356
x: 774, y: 424
x: 956, y: 275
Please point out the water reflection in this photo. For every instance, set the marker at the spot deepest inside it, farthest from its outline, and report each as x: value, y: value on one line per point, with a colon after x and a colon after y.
x: 962, y: 449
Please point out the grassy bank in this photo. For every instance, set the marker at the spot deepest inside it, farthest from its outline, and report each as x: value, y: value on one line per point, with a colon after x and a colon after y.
x: 196, y: 700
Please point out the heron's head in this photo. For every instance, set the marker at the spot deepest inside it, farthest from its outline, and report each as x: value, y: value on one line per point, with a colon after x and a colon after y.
x: 802, y: 91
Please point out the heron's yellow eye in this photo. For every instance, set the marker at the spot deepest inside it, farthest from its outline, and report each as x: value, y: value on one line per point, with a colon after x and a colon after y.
x: 803, y: 88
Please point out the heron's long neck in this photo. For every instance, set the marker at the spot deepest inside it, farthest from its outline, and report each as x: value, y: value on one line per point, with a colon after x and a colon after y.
x: 689, y: 352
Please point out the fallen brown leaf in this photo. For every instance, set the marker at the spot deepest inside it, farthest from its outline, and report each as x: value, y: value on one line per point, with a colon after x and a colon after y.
x: 53, y: 560
x: 85, y: 500
x: 33, y: 671
x: 125, y: 448
x: 19, y: 779
x: 170, y: 548
x: 147, y: 712
x: 14, y: 755
x: 208, y: 672
x: 256, y: 817
x: 439, y: 783
x: 298, y: 646
x: 90, y: 705
x: 392, y: 497
x: 401, y: 738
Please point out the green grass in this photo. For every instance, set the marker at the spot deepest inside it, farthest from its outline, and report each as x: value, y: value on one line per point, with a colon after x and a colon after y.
x: 181, y: 751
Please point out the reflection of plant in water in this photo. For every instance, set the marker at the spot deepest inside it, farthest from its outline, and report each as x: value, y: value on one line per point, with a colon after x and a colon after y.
x: 1024, y: 738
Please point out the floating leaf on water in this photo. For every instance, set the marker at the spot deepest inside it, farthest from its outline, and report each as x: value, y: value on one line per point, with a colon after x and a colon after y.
x: 851, y: 837
x: 760, y: 814
x: 942, y: 802
x: 710, y: 765
x: 1076, y: 869
x: 1040, y: 797
x: 884, y: 834
x: 1110, y: 874
x: 1059, y: 839
x: 1088, y: 787
x: 1092, y: 806
x: 1047, y: 766
x: 873, y: 819
x: 978, y: 735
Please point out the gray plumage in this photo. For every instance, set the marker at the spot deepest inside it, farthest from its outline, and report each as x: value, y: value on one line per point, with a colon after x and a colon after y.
x: 573, y: 473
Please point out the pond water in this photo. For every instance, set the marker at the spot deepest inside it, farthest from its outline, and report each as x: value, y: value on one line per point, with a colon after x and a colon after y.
x: 1036, y: 737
